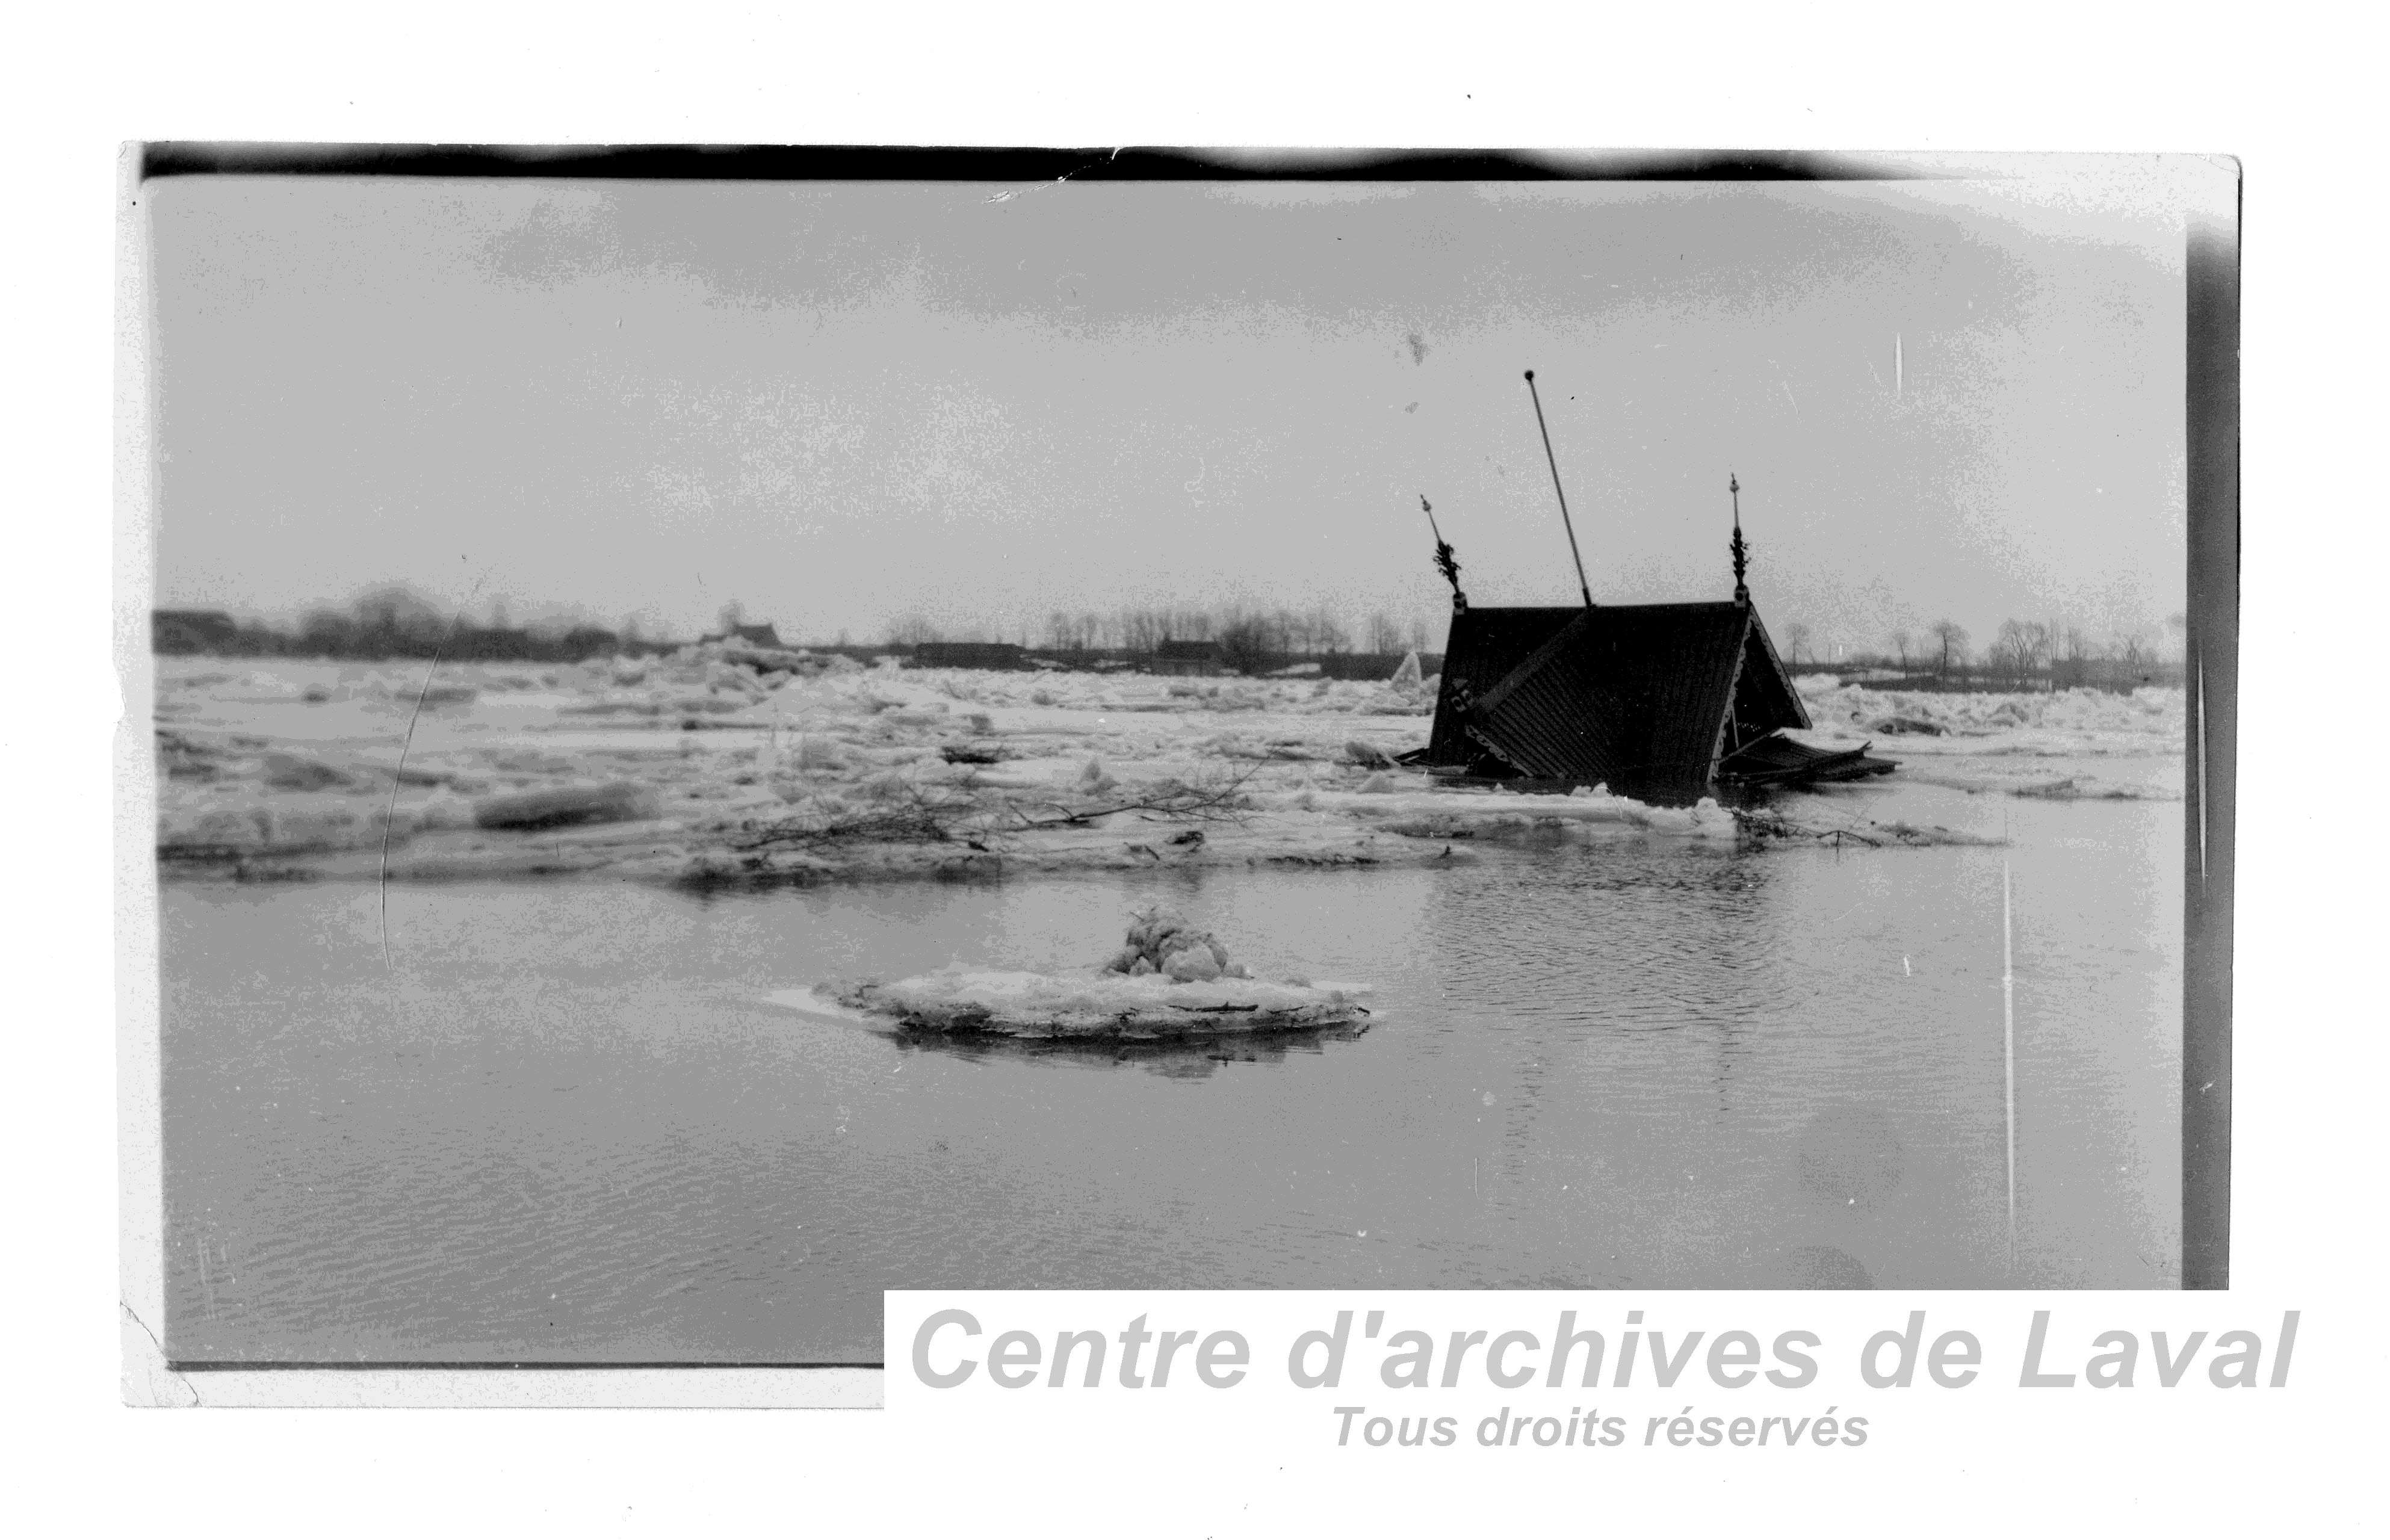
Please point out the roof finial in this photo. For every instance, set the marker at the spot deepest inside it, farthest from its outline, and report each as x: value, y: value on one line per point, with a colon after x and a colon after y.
x: 1445, y: 562
x: 1740, y: 552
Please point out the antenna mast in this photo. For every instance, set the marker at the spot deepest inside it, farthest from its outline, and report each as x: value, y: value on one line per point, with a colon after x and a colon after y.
x: 1555, y: 464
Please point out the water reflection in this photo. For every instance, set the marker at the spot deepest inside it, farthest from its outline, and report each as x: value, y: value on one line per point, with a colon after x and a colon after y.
x: 1686, y: 930
x: 1178, y: 1059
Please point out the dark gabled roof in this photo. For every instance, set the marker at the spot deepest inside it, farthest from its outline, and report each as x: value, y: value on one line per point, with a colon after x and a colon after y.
x: 1482, y: 646
x: 1634, y: 695
x: 998, y: 655
x: 765, y: 634
x: 1764, y: 696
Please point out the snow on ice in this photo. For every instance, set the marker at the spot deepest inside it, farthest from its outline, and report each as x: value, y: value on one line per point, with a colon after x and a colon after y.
x: 747, y: 764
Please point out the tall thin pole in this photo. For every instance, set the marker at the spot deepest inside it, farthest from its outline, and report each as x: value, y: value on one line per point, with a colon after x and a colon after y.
x: 2008, y: 1021
x: 1555, y: 464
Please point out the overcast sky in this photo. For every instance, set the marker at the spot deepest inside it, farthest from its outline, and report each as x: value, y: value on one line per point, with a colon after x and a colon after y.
x: 838, y: 402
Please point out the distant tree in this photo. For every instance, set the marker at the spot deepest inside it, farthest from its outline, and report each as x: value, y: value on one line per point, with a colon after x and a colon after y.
x: 1384, y: 636
x: 587, y: 641
x: 397, y: 619
x: 1419, y: 634
x: 1951, y: 644
x: 2004, y: 656
x: 2070, y: 654
x: 1245, y: 644
x: 1797, y: 641
x: 911, y: 629
x: 1284, y: 632
x: 2019, y: 649
x: 1900, y: 646
x: 327, y: 629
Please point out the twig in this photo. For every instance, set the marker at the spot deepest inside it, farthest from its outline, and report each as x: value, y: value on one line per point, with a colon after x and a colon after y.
x: 1219, y: 804
x: 1774, y: 825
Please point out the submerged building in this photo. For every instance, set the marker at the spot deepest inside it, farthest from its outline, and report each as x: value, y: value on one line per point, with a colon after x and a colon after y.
x: 1663, y: 702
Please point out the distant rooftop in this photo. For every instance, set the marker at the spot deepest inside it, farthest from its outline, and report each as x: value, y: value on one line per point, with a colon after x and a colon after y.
x: 997, y: 654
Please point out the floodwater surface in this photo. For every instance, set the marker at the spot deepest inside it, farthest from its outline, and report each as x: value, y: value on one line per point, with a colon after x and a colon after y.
x: 559, y: 1124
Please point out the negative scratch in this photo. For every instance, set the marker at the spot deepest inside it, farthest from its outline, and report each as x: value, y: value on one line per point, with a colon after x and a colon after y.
x: 2199, y: 729
x: 389, y: 814
x: 1018, y: 192
x: 162, y: 1366
x: 2007, y: 1038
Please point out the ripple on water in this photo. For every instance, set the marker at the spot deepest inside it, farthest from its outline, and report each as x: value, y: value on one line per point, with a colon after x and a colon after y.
x: 561, y: 1126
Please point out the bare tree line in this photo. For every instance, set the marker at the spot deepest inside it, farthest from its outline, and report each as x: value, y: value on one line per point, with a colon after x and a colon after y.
x: 392, y: 621
x: 1140, y: 628
x: 2022, y: 652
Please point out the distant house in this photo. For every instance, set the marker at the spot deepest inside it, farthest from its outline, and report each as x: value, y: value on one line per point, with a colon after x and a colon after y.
x: 495, y: 644
x: 1198, y: 658
x: 991, y: 655
x: 592, y: 641
x: 191, y: 631
x: 753, y: 635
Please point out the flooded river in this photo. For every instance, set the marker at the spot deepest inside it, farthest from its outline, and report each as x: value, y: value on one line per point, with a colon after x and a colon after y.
x: 558, y: 1125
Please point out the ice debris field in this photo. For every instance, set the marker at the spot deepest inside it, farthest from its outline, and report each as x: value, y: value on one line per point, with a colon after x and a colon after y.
x: 732, y: 764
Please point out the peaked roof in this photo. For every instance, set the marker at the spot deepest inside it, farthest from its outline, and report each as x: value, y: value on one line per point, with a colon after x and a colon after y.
x: 1648, y: 697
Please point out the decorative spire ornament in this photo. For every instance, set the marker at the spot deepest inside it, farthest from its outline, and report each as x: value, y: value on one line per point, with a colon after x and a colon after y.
x: 1445, y: 562
x: 1735, y: 547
